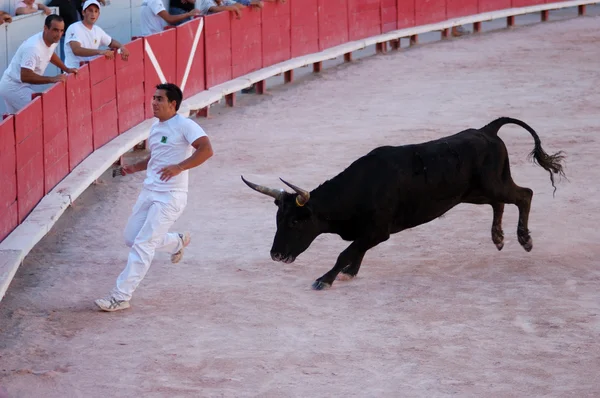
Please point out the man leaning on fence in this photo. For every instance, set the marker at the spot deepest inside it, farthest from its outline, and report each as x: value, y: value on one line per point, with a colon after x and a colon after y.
x: 84, y: 38
x: 29, y: 64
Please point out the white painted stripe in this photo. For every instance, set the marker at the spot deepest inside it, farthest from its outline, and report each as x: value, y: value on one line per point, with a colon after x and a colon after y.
x: 188, y: 67
x: 154, y: 61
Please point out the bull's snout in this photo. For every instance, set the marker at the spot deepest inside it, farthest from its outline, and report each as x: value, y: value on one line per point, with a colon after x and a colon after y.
x: 282, y: 257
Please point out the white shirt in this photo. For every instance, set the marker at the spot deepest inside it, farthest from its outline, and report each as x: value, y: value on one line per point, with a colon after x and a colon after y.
x: 33, y: 54
x: 88, y: 38
x: 170, y: 143
x: 150, y: 22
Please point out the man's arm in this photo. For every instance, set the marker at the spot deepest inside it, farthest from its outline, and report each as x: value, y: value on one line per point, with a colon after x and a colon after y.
x: 55, y: 60
x: 202, y: 154
x: 89, y: 52
x: 29, y: 76
x: 173, y: 19
x: 124, y: 51
x: 134, y: 168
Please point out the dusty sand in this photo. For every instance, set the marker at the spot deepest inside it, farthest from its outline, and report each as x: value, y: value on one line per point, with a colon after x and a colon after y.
x: 434, y: 311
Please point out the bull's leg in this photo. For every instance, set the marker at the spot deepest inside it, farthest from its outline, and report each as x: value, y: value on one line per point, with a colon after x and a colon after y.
x: 351, y: 270
x: 523, y: 202
x: 497, y: 233
x: 351, y: 255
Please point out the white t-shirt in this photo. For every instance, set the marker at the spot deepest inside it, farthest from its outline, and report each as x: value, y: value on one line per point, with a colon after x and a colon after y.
x: 170, y: 143
x: 21, y: 4
x: 88, y: 38
x: 150, y: 22
x: 33, y: 54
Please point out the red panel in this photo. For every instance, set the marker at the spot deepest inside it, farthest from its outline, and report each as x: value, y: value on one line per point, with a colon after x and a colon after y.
x: 304, y: 27
x: 79, y: 116
x: 493, y: 5
x: 101, y: 69
x: 430, y: 11
x: 246, y: 39
x: 364, y: 18
x: 56, y: 138
x: 186, y: 35
x: 30, y: 157
x: 105, y: 123
x: 217, y: 42
x: 164, y: 47
x: 276, y: 33
x: 130, y: 81
x: 461, y: 8
x: 104, y: 92
x: 406, y: 13
x: 389, y: 16
x: 8, y: 220
x: 333, y: 23
x: 8, y: 164
x: 525, y: 3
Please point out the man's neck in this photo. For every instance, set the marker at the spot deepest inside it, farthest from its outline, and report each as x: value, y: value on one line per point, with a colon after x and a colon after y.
x: 88, y: 25
x: 168, y: 118
x: 46, y: 42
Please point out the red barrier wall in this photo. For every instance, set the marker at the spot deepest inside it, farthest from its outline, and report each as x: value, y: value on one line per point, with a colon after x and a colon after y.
x: 429, y: 11
x: 56, y: 137
x: 461, y: 8
x: 217, y: 44
x: 276, y: 33
x: 246, y: 43
x: 30, y: 157
x: 8, y: 177
x: 104, y: 101
x: 364, y: 18
x: 304, y: 27
x: 163, y: 47
x: 406, y: 13
x: 79, y: 116
x: 524, y: 3
x: 130, y: 83
x: 389, y: 16
x: 186, y: 35
x: 333, y: 23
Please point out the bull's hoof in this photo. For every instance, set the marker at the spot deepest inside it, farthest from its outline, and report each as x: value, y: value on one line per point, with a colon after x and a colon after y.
x: 318, y: 285
x: 344, y: 277
x: 526, y: 242
x: 500, y: 245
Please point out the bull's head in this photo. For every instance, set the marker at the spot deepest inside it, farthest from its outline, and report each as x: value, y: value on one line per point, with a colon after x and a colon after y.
x: 297, y: 224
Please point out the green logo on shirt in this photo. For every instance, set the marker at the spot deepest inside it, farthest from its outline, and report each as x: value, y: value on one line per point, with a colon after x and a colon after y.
x: 163, y: 139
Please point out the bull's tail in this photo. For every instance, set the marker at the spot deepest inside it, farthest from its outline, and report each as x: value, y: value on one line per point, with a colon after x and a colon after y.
x: 551, y: 163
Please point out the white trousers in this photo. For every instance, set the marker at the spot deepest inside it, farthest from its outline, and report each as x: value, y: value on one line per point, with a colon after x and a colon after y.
x: 146, y: 232
x: 15, y: 95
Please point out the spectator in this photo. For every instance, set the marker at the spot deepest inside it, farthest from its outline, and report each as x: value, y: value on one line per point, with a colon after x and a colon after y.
x: 29, y: 64
x: 180, y: 7
x: 84, y: 38
x: 154, y: 17
x: 25, y: 7
x: 212, y: 6
x: 5, y: 17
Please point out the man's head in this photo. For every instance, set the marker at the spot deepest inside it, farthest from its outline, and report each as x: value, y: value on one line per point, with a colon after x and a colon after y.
x: 166, y: 101
x: 91, y: 12
x: 54, y: 27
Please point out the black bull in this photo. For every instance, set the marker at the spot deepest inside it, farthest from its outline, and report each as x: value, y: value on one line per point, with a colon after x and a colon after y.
x: 391, y: 189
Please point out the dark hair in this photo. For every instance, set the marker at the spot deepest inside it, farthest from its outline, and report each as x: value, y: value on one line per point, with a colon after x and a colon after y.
x: 52, y: 17
x: 173, y: 93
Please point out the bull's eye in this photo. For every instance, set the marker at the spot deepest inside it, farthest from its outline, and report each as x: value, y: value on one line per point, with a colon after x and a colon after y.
x: 294, y: 222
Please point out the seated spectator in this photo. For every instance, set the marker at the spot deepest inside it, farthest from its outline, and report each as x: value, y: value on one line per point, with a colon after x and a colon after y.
x: 5, y: 17
x: 84, y: 38
x: 212, y: 6
x: 25, y: 7
x: 154, y: 17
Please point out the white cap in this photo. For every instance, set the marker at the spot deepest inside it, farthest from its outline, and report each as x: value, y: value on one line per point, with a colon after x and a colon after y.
x: 89, y: 3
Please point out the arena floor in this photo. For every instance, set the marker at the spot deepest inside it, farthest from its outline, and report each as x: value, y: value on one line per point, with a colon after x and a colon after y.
x: 435, y: 311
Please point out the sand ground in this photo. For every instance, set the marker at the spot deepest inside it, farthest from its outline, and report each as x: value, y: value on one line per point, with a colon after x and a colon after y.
x: 435, y: 311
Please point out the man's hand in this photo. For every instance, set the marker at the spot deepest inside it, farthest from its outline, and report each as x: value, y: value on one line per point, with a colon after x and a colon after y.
x: 166, y: 173
x: 5, y: 17
x: 109, y: 54
x: 124, y: 53
x: 194, y: 12
x: 257, y: 3
x: 59, y: 78
x: 72, y: 70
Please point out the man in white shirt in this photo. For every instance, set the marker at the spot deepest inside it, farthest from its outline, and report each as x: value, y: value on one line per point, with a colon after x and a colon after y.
x: 172, y: 141
x: 84, y: 38
x: 29, y: 65
x: 155, y: 17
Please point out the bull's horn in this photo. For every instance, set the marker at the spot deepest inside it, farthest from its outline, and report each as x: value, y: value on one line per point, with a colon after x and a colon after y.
x: 274, y: 193
x: 303, y: 196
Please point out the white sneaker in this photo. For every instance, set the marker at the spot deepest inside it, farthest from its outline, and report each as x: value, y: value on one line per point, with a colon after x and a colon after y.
x: 185, y: 239
x: 111, y: 304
